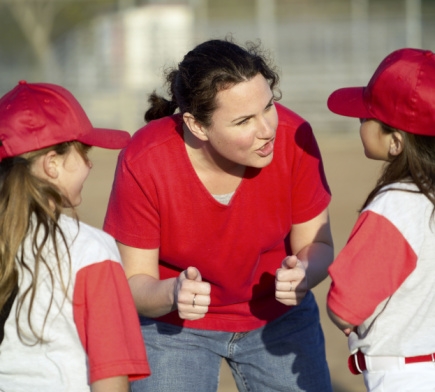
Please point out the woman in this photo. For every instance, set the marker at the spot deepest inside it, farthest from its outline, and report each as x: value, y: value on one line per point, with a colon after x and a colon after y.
x: 207, y: 206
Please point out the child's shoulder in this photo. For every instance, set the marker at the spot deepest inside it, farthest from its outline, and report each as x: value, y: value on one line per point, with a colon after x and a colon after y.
x: 403, y: 205
x: 397, y: 192
x: 398, y: 196
x: 89, y: 244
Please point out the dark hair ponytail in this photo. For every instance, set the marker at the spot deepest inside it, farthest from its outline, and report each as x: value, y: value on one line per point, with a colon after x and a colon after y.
x: 207, y: 69
x: 160, y: 107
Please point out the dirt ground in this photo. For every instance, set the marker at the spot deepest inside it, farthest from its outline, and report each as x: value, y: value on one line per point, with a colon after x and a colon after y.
x: 350, y: 176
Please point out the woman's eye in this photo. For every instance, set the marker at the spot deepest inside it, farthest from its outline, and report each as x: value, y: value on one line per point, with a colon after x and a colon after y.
x: 243, y: 121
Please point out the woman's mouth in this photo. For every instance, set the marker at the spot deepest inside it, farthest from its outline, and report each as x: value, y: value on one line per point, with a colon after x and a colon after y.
x: 266, y: 150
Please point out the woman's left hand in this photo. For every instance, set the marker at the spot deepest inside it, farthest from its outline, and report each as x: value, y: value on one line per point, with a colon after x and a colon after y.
x: 291, y: 282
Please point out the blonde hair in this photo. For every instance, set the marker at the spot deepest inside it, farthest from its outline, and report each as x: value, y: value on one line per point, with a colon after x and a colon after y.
x: 30, y: 205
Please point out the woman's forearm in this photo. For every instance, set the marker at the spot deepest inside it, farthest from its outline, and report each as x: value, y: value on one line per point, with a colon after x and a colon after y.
x: 316, y: 258
x: 152, y: 297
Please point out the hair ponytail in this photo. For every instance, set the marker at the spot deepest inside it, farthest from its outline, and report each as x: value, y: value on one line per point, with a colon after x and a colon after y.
x: 160, y: 107
x: 210, y: 67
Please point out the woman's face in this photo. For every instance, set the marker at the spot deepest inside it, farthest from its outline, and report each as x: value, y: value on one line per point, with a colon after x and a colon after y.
x: 244, y: 124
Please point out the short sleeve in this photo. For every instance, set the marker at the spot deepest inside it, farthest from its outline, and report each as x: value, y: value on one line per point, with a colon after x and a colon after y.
x: 311, y: 193
x: 370, y: 268
x: 107, y: 323
x: 132, y: 202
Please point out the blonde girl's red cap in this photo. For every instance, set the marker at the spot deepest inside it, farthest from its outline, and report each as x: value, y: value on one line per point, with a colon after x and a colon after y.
x: 401, y: 93
x: 39, y: 115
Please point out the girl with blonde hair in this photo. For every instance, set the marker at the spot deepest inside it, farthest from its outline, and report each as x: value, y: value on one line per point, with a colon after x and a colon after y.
x: 64, y: 298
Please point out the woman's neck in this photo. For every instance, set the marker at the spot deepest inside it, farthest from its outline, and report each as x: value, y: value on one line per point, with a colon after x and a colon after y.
x: 218, y: 174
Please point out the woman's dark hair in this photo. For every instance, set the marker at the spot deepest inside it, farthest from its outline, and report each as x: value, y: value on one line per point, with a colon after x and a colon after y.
x: 415, y: 164
x: 210, y: 67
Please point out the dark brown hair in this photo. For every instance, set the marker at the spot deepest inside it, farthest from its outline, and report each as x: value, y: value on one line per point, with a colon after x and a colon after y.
x: 207, y: 69
x: 415, y: 164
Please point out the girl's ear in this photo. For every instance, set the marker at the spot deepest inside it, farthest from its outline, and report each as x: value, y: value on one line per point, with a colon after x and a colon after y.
x: 195, y: 126
x: 50, y: 164
x: 396, y: 144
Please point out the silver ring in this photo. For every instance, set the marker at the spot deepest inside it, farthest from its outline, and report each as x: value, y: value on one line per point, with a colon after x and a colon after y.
x: 194, y: 298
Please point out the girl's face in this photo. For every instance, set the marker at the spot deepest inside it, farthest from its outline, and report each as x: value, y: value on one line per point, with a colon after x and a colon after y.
x: 73, y: 171
x: 244, y: 124
x: 376, y: 142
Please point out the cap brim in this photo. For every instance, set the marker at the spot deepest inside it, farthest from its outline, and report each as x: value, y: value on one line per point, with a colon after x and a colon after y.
x: 349, y: 102
x: 106, y: 138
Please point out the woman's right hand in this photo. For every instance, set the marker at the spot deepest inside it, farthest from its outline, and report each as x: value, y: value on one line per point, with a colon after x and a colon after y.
x: 191, y: 294
x: 155, y: 297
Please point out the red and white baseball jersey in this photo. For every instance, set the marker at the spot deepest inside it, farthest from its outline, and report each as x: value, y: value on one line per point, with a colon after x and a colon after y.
x: 92, y: 334
x: 383, y: 280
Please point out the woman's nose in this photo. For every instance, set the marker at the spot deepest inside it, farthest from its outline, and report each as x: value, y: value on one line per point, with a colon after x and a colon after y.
x: 266, y: 130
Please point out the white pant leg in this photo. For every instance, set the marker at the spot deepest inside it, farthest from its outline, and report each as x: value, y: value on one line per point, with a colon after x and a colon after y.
x: 416, y: 377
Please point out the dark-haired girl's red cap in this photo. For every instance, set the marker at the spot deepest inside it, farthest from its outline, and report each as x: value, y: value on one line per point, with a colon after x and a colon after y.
x: 39, y: 115
x: 401, y: 93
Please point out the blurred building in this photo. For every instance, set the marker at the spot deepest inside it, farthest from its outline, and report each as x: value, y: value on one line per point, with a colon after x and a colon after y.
x: 113, y: 62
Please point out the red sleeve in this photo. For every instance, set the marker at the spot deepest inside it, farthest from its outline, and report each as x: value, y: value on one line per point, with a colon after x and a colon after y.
x: 133, y: 202
x: 108, y: 324
x: 370, y: 268
x: 311, y: 193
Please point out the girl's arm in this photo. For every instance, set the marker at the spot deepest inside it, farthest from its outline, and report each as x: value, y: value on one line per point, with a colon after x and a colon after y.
x: 112, y: 384
x: 313, y: 252
x: 346, y: 327
x: 154, y: 297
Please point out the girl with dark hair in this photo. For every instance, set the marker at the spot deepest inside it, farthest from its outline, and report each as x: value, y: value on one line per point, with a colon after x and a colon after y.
x: 220, y: 212
x: 382, y: 292
x: 61, y: 281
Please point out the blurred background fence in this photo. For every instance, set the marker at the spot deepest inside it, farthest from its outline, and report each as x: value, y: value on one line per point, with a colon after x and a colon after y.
x: 112, y: 53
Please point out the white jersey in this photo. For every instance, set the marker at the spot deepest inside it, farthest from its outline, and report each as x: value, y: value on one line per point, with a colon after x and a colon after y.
x: 383, y: 280
x: 84, y: 338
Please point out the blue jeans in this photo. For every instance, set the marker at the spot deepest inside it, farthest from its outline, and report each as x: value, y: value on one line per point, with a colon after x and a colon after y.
x: 288, y: 354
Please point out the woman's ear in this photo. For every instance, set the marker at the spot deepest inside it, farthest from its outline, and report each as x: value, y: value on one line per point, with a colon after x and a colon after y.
x: 396, y: 144
x: 195, y: 127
